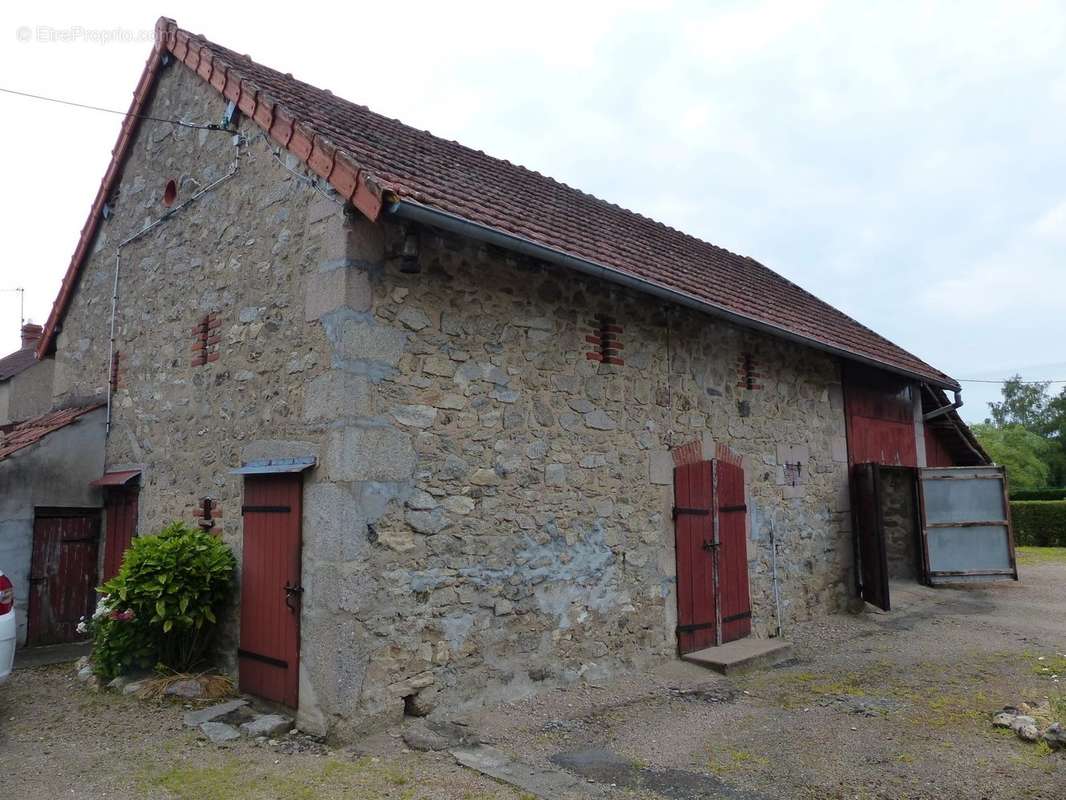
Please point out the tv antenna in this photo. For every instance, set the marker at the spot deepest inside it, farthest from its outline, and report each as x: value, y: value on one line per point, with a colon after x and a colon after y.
x: 22, y: 303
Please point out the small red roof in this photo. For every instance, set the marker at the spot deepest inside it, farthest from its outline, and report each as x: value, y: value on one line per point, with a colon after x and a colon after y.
x: 31, y: 431
x: 120, y: 478
x: 372, y: 160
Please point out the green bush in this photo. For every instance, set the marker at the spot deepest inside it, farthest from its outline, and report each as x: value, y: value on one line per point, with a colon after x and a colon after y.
x: 161, y: 608
x: 1039, y: 494
x: 1040, y: 523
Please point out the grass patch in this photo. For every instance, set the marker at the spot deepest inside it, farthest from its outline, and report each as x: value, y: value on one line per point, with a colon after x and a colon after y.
x: 1041, y: 555
x: 799, y: 689
x: 1035, y: 756
x: 1058, y: 707
x: 1048, y: 665
x: 731, y: 761
x: 238, y: 779
x: 952, y: 710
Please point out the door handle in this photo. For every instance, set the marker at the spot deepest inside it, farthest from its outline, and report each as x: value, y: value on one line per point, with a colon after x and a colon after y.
x: 292, y: 595
x: 709, y: 546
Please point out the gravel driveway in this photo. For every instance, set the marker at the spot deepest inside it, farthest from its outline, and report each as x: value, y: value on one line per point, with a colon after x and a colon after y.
x: 873, y: 706
x: 894, y: 705
x: 59, y: 740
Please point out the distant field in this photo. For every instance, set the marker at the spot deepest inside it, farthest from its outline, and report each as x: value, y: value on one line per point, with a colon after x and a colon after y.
x: 1042, y: 555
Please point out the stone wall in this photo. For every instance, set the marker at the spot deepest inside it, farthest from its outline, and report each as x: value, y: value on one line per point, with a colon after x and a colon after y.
x: 27, y: 394
x: 510, y: 492
x: 898, y: 507
x: 240, y: 256
x: 491, y: 510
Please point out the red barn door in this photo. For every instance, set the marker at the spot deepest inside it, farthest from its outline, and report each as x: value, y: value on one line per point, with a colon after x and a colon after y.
x: 270, y: 588
x: 869, y: 524
x: 713, y: 604
x: 121, y: 509
x: 732, y: 551
x: 63, y: 574
x: 697, y: 612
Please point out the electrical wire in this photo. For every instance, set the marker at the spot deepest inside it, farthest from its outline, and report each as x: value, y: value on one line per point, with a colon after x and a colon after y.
x: 1008, y: 380
x: 208, y: 127
x: 306, y: 179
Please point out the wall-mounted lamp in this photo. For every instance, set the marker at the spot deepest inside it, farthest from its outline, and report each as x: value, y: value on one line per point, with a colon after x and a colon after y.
x: 409, y: 253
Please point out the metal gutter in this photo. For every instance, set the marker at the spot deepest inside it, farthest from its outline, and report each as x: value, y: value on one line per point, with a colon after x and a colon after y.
x: 416, y: 212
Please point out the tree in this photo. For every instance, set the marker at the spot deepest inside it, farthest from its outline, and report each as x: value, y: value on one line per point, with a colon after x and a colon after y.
x: 1026, y: 455
x: 1025, y: 404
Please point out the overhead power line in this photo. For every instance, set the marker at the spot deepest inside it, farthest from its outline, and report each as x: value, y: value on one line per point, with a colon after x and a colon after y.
x: 208, y: 127
x: 1008, y: 380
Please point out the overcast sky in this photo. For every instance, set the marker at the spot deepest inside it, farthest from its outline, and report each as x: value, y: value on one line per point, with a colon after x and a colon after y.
x: 903, y: 161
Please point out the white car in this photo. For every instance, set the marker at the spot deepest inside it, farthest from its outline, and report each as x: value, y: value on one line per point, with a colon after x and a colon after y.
x: 7, y: 626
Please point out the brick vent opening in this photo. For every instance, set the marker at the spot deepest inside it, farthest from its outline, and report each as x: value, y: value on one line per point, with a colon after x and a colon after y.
x: 606, y: 338
x: 747, y: 374
x: 205, y: 347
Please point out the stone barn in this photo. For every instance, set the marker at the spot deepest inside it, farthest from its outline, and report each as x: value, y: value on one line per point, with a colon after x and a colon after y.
x: 471, y: 432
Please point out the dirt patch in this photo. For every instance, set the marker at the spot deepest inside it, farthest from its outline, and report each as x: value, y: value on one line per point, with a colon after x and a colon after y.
x: 606, y: 768
x: 61, y: 740
x: 870, y: 706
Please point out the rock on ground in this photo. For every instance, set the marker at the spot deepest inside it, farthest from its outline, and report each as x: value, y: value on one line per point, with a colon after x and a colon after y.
x: 439, y: 735
x: 188, y: 688
x: 194, y: 719
x: 1055, y: 736
x: 266, y: 725
x: 219, y: 732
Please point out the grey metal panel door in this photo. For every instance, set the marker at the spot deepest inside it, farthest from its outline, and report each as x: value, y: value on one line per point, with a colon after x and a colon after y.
x: 966, y: 531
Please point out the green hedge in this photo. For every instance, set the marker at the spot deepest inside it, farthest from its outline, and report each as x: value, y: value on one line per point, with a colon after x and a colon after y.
x: 1039, y: 522
x: 1039, y: 494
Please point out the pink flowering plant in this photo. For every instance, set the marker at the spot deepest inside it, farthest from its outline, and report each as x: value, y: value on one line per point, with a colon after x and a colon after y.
x: 119, y: 643
x: 162, y: 607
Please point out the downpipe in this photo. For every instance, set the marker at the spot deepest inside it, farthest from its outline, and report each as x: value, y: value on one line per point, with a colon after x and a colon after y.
x: 939, y: 412
x: 238, y: 140
x: 776, y: 585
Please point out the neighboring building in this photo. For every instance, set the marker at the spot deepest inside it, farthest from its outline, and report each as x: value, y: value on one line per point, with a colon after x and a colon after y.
x: 453, y: 415
x: 25, y: 382
x: 50, y: 519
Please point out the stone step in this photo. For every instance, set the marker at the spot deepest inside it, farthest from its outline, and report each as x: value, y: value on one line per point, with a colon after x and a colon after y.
x: 741, y: 656
x: 268, y: 725
x: 194, y: 719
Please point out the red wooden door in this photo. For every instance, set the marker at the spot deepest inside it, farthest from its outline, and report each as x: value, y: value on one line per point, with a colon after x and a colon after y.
x: 121, y: 509
x: 869, y: 524
x: 270, y: 588
x: 63, y: 574
x: 697, y: 615
x: 734, y: 600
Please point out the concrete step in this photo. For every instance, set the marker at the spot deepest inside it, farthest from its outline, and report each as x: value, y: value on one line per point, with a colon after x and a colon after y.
x: 741, y: 656
x: 44, y: 655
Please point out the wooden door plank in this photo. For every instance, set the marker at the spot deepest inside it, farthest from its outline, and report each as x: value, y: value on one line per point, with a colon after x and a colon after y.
x: 735, y: 598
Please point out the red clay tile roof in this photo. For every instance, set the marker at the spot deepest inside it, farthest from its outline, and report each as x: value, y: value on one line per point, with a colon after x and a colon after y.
x: 31, y: 431
x: 369, y: 159
x: 12, y: 365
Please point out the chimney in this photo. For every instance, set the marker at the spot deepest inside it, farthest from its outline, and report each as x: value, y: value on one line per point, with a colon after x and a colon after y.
x: 31, y: 334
